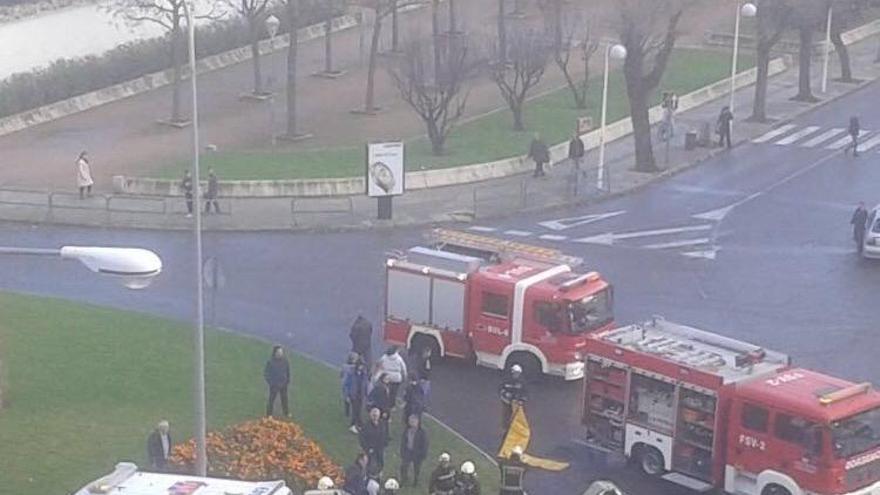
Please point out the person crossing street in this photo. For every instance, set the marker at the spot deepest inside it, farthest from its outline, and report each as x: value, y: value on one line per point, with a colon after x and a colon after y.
x: 443, y: 477
x: 854, y: 130
x: 513, y: 392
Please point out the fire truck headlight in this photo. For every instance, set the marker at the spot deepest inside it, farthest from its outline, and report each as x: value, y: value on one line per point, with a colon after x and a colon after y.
x: 578, y: 356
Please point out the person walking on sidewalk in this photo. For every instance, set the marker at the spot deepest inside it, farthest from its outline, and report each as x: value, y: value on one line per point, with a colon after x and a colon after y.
x: 277, y: 376
x: 539, y: 152
x: 854, y: 130
x: 859, y: 222
x: 84, y: 175
x: 722, y: 127
x: 212, y: 192
x: 186, y: 185
x: 576, y: 155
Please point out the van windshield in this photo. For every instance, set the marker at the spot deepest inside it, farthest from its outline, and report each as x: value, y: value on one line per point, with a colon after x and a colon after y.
x: 857, y: 434
x: 591, y: 312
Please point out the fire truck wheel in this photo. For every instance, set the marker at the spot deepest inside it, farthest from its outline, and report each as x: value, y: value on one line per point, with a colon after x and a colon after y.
x: 775, y: 490
x: 420, y: 342
x: 531, y: 367
x: 650, y: 460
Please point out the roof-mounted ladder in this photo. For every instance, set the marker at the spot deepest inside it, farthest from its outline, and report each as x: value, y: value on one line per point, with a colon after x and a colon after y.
x: 485, y: 247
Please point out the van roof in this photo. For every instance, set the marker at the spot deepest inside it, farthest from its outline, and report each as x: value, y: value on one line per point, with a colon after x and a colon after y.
x: 127, y: 480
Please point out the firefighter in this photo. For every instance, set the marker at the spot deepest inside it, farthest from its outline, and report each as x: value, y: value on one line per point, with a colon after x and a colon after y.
x: 466, y: 482
x: 443, y: 477
x: 512, y: 472
x: 512, y: 391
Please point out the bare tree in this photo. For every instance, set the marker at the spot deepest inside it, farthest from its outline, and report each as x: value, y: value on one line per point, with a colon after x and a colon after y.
x: 502, y: 32
x: 575, y: 37
x: 291, y: 8
x: 437, y: 97
x: 648, y: 31
x: 806, y: 18
x: 845, y: 13
x: 171, y: 16
x: 527, y: 56
x: 380, y: 9
x: 327, y: 10
x: 254, y: 14
x: 772, y: 21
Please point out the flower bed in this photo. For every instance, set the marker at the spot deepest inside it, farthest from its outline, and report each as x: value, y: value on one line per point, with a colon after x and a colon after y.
x: 263, y: 449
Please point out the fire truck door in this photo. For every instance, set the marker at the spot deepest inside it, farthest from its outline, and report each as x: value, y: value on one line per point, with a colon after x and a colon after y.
x: 491, y: 329
x: 750, y: 440
x: 797, y: 444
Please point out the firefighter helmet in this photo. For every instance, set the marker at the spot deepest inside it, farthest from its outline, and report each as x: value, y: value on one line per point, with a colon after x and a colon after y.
x: 325, y: 483
x: 467, y: 467
x: 444, y: 457
x: 516, y: 368
x: 518, y: 450
x: 392, y: 484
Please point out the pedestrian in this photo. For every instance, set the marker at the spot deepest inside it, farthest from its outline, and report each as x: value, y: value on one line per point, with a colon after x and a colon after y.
x: 466, y: 482
x: 361, y: 335
x: 357, y: 392
x: 394, y: 367
x: 84, y: 175
x: 854, y: 130
x: 346, y: 375
x: 277, y: 376
x: 423, y: 370
x: 212, y: 193
x: 356, y: 475
x: 159, y: 446
x: 391, y: 487
x: 513, y: 392
x: 373, y: 439
x: 539, y: 152
x: 413, y: 450
x: 413, y: 399
x: 576, y: 150
x: 859, y: 222
x: 186, y: 185
x: 722, y: 127
x: 374, y: 478
x: 513, y: 471
x: 380, y: 396
x: 443, y: 477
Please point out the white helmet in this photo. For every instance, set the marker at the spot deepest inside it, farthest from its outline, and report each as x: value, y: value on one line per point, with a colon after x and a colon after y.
x: 467, y: 467
x: 518, y: 450
x: 325, y: 483
x: 516, y: 368
x: 392, y: 484
x: 444, y: 457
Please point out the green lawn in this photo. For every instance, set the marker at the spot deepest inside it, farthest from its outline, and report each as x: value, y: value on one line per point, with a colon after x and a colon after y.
x: 482, y: 140
x: 85, y: 385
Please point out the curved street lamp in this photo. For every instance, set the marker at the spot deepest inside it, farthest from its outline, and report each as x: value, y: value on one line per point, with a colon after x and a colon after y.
x: 617, y: 52
x: 747, y: 9
x: 136, y: 268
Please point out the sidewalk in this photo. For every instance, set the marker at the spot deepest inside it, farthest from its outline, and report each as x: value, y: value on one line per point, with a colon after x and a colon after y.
x: 463, y: 203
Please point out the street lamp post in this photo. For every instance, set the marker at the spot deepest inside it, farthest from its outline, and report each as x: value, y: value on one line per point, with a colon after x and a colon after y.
x: 827, y: 45
x: 199, y: 338
x: 617, y: 52
x: 747, y: 9
x: 134, y: 267
x: 272, y: 25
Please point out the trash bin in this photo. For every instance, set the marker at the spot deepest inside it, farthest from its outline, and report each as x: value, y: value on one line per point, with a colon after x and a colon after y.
x: 690, y: 140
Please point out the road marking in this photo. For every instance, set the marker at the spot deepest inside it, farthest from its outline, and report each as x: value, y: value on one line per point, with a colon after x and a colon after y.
x: 478, y: 228
x: 552, y: 237
x: 708, y: 254
x: 791, y: 138
x: 610, y: 238
x: 678, y: 244
x: 774, y: 133
x: 518, y: 233
x: 718, y: 214
x: 844, y: 141
x: 567, y: 223
x: 821, y: 138
x: 867, y: 145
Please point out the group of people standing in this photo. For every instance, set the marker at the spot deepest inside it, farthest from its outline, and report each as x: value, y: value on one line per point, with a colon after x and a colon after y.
x: 540, y: 153
x: 210, y: 195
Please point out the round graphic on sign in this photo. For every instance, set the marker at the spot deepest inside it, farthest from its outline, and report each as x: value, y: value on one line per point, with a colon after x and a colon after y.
x: 382, y: 176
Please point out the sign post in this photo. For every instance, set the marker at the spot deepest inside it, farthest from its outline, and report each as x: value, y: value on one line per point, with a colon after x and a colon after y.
x: 384, y: 175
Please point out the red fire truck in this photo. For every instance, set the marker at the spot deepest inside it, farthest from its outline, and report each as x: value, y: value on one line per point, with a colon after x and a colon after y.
x: 707, y: 411
x: 496, y: 301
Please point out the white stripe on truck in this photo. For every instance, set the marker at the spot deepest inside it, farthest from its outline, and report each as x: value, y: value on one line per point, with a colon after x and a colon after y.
x: 519, y: 294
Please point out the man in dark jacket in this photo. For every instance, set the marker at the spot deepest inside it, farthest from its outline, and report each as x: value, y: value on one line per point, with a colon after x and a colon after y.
x: 854, y: 130
x: 356, y: 476
x: 277, y: 376
x: 186, y: 185
x: 443, y: 477
x: 512, y: 391
x: 414, y: 399
x: 212, y: 192
x: 413, y: 450
x: 361, y: 335
x: 723, y: 127
x: 539, y: 152
x: 356, y: 392
x: 374, y: 438
x: 576, y: 155
x: 859, y: 222
x: 159, y: 447
x: 423, y: 371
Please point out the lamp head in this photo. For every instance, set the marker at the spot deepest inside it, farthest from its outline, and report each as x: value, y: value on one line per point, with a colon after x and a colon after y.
x: 749, y: 10
x: 618, y: 52
x: 272, y: 25
x: 135, y: 267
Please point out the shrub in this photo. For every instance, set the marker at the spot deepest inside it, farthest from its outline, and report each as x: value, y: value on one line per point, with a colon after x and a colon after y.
x: 264, y: 449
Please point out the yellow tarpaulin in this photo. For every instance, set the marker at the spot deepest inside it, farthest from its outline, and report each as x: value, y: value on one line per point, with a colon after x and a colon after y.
x: 518, y: 435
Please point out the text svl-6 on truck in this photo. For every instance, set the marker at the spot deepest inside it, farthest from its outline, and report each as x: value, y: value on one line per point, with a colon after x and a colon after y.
x: 504, y: 303
x: 707, y: 411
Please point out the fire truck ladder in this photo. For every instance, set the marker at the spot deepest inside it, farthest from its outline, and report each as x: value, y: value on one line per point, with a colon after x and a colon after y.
x: 488, y: 247
x: 681, y: 352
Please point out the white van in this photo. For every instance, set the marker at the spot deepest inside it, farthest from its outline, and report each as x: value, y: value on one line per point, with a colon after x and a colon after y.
x: 126, y: 479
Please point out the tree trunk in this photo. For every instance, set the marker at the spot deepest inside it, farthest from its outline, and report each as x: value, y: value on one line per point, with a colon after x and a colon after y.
x: 293, y: 18
x: 638, y: 103
x: 176, y: 77
x: 395, y: 28
x: 843, y: 56
x: 759, y: 106
x: 502, y: 33
x: 453, y: 28
x: 436, y: 137
x: 435, y: 33
x: 255, y: 54
x: 328, y: 43
x: 557, y: 25
x: 517, y: 110
x: 580, y: 97
x: 805, y: 56
x: 369, y: 104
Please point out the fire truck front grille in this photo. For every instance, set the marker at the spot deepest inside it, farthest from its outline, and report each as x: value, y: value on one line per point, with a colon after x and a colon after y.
x: 863, y: 475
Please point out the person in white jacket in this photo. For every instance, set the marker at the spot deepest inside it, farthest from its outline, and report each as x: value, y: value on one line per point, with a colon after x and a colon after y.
x: 393, y: 365
x: 84, y: 175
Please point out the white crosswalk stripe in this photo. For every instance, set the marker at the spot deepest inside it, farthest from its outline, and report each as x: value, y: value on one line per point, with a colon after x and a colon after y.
x: 871, y: 143
x: 774, y: 133
x: 814, y: 136
x: 821, y: 138
x: 791, y: 138
x: 840, y: 143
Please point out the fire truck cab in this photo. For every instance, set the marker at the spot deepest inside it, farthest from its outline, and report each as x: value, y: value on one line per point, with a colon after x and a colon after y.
x: 707, y: 411
x: 498, y: 302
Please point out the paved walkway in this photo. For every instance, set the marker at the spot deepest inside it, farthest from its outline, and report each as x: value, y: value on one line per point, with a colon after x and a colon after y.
x: 466, y: 203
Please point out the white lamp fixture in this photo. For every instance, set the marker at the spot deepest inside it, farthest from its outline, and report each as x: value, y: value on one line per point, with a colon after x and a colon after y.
x: 749, y: 10
x: 272, y: 25
x: 134, y: 267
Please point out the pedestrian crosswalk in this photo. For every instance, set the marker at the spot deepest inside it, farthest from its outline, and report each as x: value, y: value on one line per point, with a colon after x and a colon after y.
x: 813, y: 136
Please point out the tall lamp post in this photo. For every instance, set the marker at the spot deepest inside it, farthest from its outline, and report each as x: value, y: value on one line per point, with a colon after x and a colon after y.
x: 617, y: 52
x: 827, y: 45
x: 199, y: 338
x: 747, y: 9
x: 272, y: 25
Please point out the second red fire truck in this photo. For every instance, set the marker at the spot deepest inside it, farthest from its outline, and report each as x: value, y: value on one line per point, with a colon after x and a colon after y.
x: 707, y: 411
x: 496, y: 301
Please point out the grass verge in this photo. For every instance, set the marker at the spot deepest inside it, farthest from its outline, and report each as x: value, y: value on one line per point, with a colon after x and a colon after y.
x: 86, y: 384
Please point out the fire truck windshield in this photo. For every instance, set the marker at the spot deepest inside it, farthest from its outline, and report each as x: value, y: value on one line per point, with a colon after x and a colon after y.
x: 857, y: 434
x: 591, y: 312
